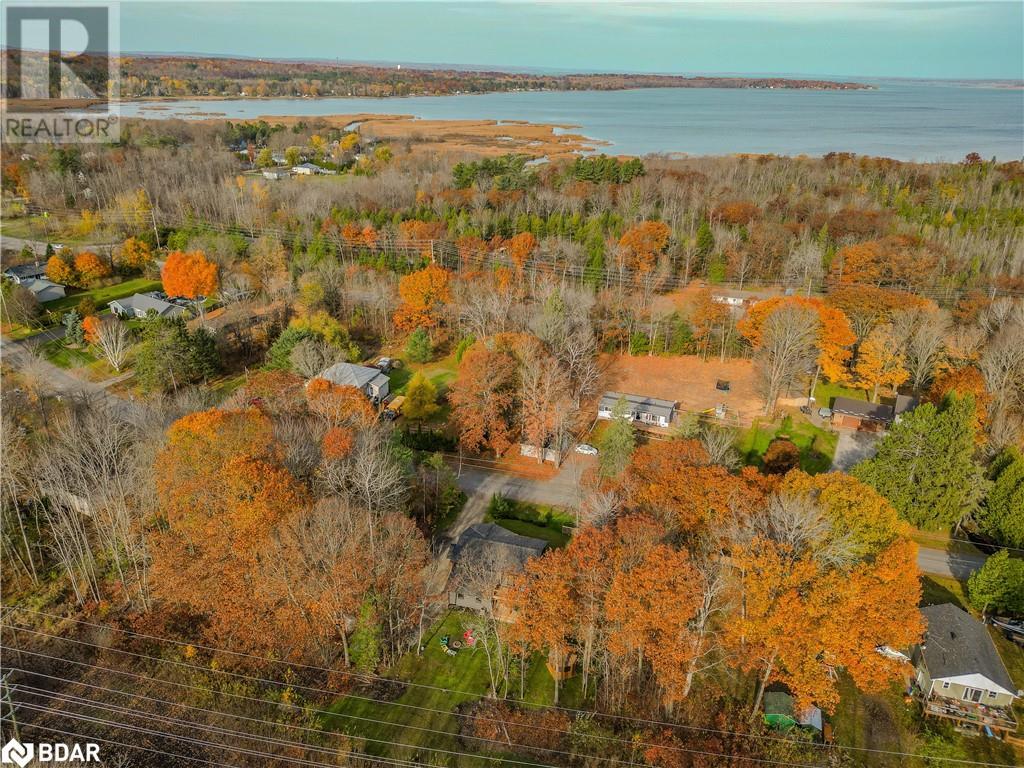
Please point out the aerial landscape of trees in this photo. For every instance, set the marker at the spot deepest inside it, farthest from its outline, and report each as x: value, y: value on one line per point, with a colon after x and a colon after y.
x: 224, y: 516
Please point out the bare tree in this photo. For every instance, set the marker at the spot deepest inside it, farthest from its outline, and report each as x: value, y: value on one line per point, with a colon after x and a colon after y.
x: 804, y: 265
x: 787, y: 350
x: 310, y: 357
x: 720, y: 443
x: 922, y: 334
x: 113, y: 341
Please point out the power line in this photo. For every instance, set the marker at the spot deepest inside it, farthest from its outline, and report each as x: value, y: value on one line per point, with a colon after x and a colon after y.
x: 393, y: 761
x: 376, y: 678
x: 427, y: 709
x: 301, y: 709
x: 78, y: 736
x: 270, y: 741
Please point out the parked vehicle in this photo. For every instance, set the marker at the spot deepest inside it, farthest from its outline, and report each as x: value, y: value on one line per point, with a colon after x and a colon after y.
x: 586, y: 450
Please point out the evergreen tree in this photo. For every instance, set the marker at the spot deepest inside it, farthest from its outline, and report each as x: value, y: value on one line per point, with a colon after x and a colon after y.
x: 418, y: 348
x: 420, y: 398
x: 925, y: 466
x: 618, y: 441
x: 170, y: 357
x: 998, y: 585
x: 705, y: 239
x: 1002, y: 516
x: 74, y: 333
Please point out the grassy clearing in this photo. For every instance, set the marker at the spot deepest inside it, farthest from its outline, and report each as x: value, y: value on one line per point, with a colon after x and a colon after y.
x: 105, y: 294
x: 817, y: 446
x: 49, y: 230
x: 538, y: 521
x: 454, y: 681
x: 63, y: 356
x: 936, y: 590
x: 827, y: 391
x: 440, y: 372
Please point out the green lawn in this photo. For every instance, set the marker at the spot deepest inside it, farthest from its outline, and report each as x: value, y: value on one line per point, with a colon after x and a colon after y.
x: 105, y: 294
x: 936, y: 590
x: 440, y: 372
x: 454, y: 681
x: 826, y: 392
x: 539, y: 521
x: 60, y: 354
x: 817, y: 446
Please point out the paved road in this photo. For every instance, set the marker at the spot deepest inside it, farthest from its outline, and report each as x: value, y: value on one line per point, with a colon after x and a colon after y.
x: 38, y: 247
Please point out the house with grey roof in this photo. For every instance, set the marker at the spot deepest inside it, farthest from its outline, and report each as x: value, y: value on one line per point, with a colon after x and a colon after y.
x: 20, y: 272
x: 143, y: 305
x: 487, y: 557
x: 44, y: 290
x: 371, y: 381
x: 960, y: 675
x: 646, y: 410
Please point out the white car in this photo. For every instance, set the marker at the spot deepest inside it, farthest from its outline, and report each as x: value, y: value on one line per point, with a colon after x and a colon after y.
x: 586, y: 450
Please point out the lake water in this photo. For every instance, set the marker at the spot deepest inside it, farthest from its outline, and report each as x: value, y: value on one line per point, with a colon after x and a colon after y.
x: 901, y: 119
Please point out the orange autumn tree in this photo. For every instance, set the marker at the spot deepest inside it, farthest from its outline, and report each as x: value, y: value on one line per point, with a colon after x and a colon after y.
x: 834, y: 336
x: 190, y: 276
x: 640, y: 246
x: 967, y: 380
x: 91, y: 328
x: 90, y: 267
x: 59, y: 271
x: 825, y: 575
x: 339, y: 405
x: 222, y: 489
x: 425, y: 294
x: 676, y: 483
x: 880, y: 363
x: 520, y: 248
x: 483, y: 398
x: 134, y: 254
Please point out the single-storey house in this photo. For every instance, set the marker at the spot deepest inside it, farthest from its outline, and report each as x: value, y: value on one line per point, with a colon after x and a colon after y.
x: 870, y: 417
x: 306, y: 169
x: 21, y: 272
x: 276, y: 173
x: 371, y: 381
x: 44, y: 290
x: 960, y: 675
x: 648, y: 410
x: 486, y: 558
x: 141, y: 304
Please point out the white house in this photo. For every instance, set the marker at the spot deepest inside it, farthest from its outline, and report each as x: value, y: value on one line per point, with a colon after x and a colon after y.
x: 306, y: 169
x: 276, y: 173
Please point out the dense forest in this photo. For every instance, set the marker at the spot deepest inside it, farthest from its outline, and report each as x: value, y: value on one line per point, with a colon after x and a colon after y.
x: 242, y: 551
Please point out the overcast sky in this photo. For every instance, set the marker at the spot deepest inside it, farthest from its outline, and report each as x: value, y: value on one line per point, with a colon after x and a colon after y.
x: 913, y: 38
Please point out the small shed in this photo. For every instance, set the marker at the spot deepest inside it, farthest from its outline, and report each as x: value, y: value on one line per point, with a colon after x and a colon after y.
x: 780, y: 713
